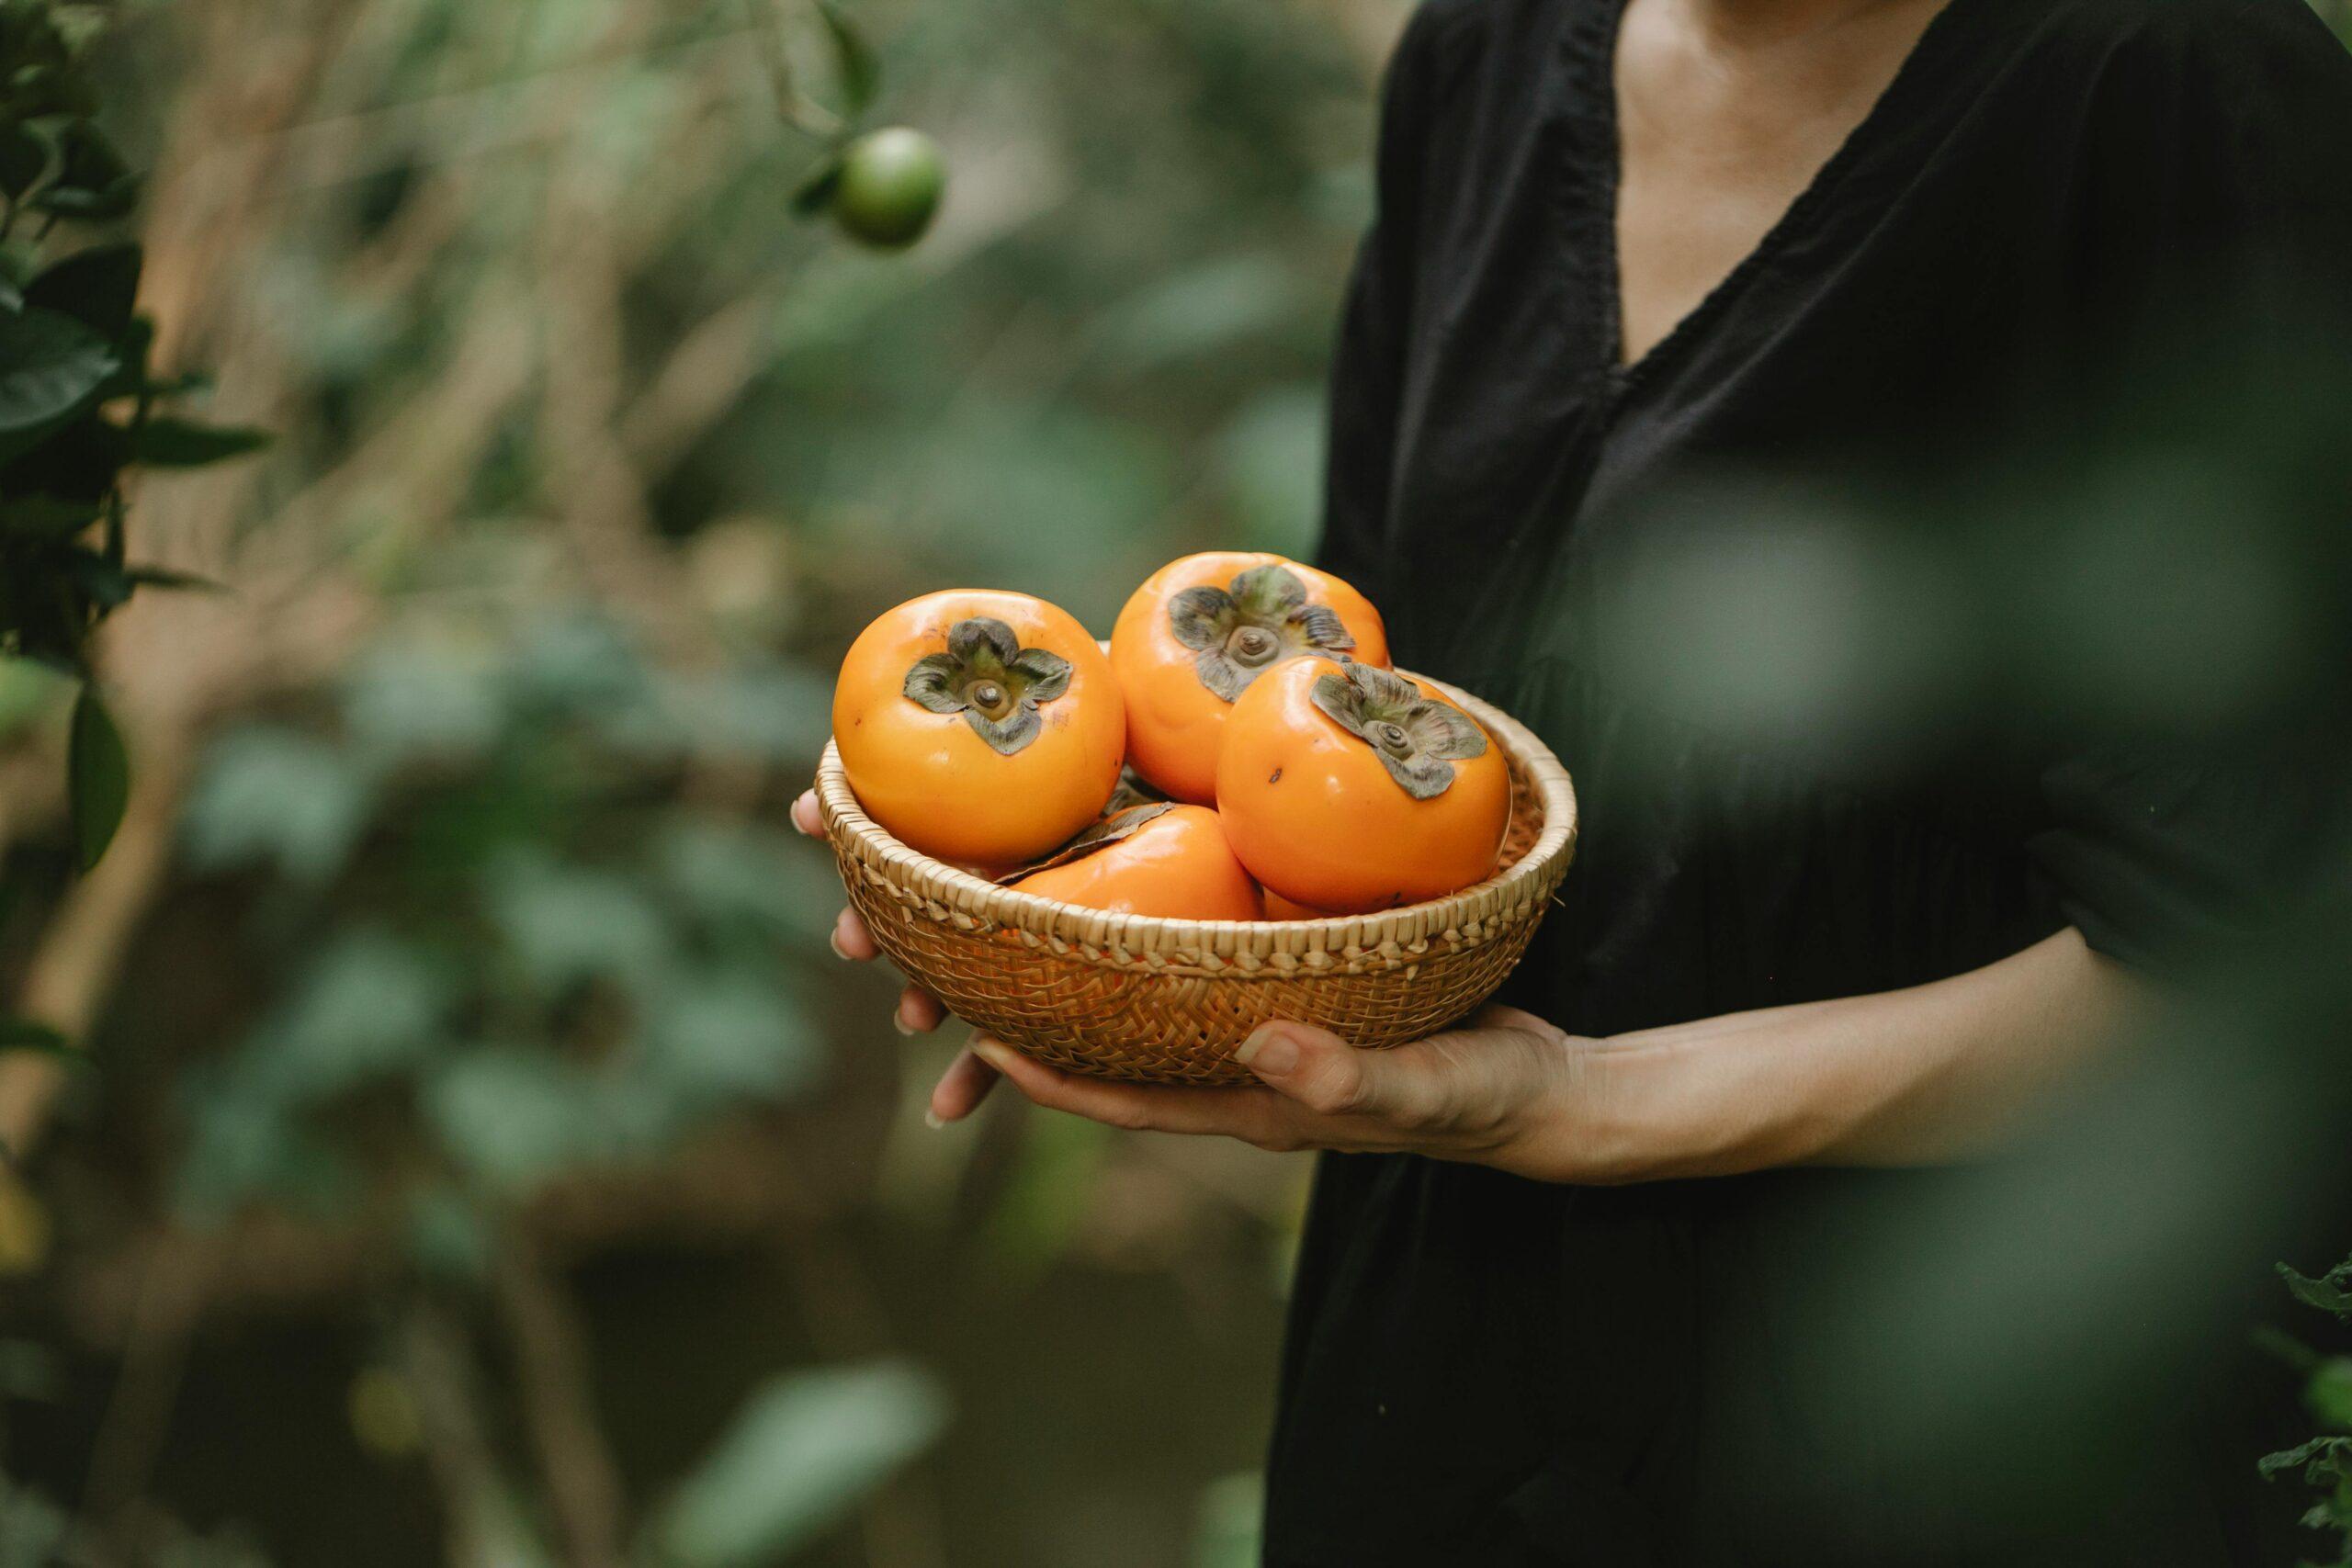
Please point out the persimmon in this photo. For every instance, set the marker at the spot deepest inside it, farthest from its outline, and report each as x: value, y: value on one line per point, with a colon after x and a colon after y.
x: 981, y: 727
x: 1281, y: 908
x: 1167, y: 861
x: 1193, y: 638
x: 1347, y: 789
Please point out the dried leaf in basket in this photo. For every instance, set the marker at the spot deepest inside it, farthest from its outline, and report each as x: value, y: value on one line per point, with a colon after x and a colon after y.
x: 1132, y: 791
x: 1101, y: 834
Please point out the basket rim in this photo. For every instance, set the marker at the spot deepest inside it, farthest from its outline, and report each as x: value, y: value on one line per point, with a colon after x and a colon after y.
x: 1528, y: 881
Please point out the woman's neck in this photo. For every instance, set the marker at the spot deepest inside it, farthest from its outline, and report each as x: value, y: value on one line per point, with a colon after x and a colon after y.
x: 1749, y: 23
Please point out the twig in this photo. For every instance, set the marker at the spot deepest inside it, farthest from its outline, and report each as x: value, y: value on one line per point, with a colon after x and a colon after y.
x: 473, y: 1487
x: 551, y: 1361
x: 84, y: 945
x: 154, y: 1355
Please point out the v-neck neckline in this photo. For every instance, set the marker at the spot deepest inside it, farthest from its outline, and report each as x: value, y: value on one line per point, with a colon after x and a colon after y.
x: 1598, y: 65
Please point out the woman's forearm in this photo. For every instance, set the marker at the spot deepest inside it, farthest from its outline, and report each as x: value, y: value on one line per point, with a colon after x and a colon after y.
x: 1931, y: 1073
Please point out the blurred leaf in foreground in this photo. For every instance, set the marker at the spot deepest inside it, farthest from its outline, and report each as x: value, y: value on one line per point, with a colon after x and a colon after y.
x: 803, y: 1451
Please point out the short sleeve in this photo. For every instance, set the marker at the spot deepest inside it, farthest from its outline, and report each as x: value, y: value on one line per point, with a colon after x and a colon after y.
x: 2164, y: 863
x: 2222, y: 222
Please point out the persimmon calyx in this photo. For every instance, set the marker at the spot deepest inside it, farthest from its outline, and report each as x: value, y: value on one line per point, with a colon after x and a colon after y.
x: 992, y: 680
x: 1417, y: 739
x: 1260, y: 619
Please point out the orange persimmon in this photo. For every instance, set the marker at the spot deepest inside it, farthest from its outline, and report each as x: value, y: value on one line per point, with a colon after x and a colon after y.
x: 1200, y: 630
x: 1348, y: 789
x: 981, y: 728
x: 1281, y: 908
x: 1171, y: 862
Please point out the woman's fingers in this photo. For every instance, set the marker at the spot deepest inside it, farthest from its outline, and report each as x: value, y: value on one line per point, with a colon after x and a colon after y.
x: 851, y: 940
x: 960, y: 1089
x: 1330, y: 1077
x: 919, y: 1011
x: 805, y: 815
x: 1254, y: 1116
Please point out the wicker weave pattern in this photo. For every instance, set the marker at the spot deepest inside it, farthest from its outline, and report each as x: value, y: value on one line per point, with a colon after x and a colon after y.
x: 1130, y: 996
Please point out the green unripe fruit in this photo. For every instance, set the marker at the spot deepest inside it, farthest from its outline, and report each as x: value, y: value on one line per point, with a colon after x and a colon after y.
x: 889, y: 187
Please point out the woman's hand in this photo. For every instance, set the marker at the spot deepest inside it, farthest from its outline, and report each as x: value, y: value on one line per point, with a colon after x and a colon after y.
x: 1928, y: 1074
x: 1485, y: 1094
x: 1506, y: 1090
x: 918, y: 1011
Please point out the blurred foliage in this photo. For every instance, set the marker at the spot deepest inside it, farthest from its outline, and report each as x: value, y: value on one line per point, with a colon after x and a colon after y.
x: 80, y: 405
x: 486, y: 910
x: 800, y: 1453
x: 478, y: 899
x: 2326, y: 1461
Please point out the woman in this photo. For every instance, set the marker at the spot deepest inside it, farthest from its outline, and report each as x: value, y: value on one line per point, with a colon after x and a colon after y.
x: 1621, y: 243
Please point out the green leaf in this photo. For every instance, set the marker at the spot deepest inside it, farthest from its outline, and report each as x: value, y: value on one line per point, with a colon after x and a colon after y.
x: 98, y: 770
x: 2329, y: 1393
x: 178, y: 582
x: 720, y: 1036
x: 270, y: 797
x: 447, y: 1235
x: 49, y: 365
x: 24, y: 1034
x: 515, y: 1116
x: 408, y: 699
x: 168, y: 442
x: 855, y: 64
x: 367, y: 1009
x: 771, y: 885
x: 815, y: 192
x: 804, y: 1449
x: 24, y: 157
x: 2321, y: 1459
x: 2330, y: 1292
x: 93, y: 183
x: 97, y: 287
x: 567, y: 923
x: 46, y: 516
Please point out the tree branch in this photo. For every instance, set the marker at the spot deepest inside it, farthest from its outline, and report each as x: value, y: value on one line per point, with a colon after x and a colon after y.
x: 551, y: 1361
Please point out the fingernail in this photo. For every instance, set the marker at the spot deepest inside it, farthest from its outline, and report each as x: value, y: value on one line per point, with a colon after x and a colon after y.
x: 1269, y: 1049
x: 898, y: 1022
x: 995, y: 1055
x: 834, y: 941
x: 933, y: 1120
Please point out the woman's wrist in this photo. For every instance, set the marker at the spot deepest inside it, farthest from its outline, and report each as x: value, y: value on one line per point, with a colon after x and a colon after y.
x: 1689, y: 1100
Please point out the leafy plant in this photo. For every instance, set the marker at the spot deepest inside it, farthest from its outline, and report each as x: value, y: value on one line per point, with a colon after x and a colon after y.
x: 803, y: 1449
x: 2326, y: 1461
x: 486, y: 920
x: 80, y: 404
x: 883, y: 186
x: 512, y: 964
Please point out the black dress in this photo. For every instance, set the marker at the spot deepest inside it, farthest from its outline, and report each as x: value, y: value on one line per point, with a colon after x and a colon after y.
x: 1486, y: 1370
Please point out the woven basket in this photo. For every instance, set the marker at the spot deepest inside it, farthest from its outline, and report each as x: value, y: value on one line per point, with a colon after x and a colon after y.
x: 1166, y: 1002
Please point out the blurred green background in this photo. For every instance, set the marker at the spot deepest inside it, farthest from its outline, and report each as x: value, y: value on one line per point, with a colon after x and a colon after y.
x: 478, y: 1159
x: 484, y: 1160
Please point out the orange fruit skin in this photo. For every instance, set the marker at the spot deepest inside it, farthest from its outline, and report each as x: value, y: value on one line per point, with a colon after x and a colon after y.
x: 940, y: 788
x: 1281, y: 908
x: 1177, y: 866
x: 1174, y: 722
x: 1318, y: 820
